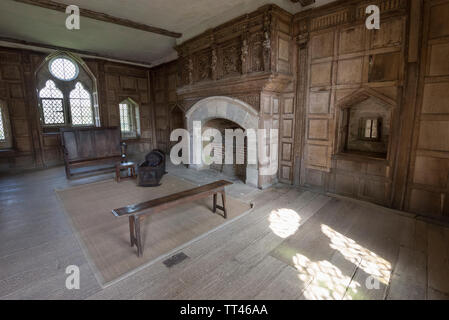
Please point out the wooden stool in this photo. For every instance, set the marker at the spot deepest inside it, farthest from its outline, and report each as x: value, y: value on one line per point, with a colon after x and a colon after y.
x: 129, y: 166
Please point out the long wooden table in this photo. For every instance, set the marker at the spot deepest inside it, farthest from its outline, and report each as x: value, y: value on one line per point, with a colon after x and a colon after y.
x: 137, y: 212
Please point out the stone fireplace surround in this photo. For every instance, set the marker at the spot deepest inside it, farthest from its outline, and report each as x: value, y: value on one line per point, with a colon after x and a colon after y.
x: 221, y: 107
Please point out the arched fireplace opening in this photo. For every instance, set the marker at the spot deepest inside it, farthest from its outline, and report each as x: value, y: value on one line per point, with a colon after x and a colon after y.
x: 234, y: 170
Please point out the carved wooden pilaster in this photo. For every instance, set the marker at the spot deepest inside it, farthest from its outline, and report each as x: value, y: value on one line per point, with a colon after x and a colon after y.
x: 190, y: 69
x: 213, y: 64
x: 267, y: 41
x: 245, y: 48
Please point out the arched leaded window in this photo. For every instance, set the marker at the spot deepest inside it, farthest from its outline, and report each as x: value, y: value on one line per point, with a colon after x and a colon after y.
x: 52, y: 104
x: 81, y: 106
x: 66, y: 92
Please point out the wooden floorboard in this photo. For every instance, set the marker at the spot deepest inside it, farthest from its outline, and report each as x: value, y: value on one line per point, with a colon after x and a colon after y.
x: 259, y: 256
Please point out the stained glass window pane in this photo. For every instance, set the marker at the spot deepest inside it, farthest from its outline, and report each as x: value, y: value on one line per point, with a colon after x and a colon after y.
x: 2, y: 128
x: 81, y: 106
x: 63, y: 69
x: 52, y: 108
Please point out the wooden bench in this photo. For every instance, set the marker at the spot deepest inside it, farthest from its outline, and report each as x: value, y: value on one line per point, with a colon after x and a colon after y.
x: 137, y: 212
x: 91, y: 147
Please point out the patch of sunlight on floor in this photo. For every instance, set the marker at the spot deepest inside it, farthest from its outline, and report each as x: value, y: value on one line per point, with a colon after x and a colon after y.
x: 323, y: 280
x: 284, y: 222
x: 371, y: 263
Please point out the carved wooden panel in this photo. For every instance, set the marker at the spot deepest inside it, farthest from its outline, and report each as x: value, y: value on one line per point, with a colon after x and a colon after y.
x: 256, y: 52
x: 230, y: 59
x: 352, y: 39
x: 319, y: 102
x: 436, y: 97
x: 390, y: 34
x: 317, y: 155
x: 322, y: 45
x: 384, y: 67
x: 350, y: 71
x: 318, y: 129
x: 203, y: 65
x: 321, y: 74
x: 439, y: 63
x: 439, y: 22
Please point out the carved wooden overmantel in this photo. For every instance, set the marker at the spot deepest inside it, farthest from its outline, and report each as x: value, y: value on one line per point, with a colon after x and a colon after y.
x: 250, y: 58
x: 244, y: 57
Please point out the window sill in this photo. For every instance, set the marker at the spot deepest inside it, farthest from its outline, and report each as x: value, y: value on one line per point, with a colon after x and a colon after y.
x: 361, y: 157
x: 7, y: 152
x: 132, y: 140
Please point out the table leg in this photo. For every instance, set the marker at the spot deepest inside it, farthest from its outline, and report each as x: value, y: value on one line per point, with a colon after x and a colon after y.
x: 215, y: 203
x: 132, y: 235
x: 117, y: 173
x: 223, y: 199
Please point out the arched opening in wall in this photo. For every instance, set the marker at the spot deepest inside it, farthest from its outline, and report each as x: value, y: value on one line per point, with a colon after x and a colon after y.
x: 365, y: 125
x: 236, y: 170
x: 176, y: 122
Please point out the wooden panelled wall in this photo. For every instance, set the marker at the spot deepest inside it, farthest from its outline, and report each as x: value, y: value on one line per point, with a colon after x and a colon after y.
x: 314, y: 65
x: 428, y: 187
x: 32, y: 148
x: 404, y: 64
x: 164, y: 101
x: 345, y: 62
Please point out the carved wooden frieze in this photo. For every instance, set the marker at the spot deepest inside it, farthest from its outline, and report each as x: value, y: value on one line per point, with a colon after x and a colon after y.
x: 252, y: 99
x: 231, y: 61
x: 246, y: 46
x: 203, y: 66
x: 256, y: 63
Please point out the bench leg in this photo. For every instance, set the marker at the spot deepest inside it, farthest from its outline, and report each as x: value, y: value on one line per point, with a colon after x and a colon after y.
x: 132, y: 236
x: 215, y: 203
x: 117, y: 173
x: 223, y: 199
x: 138, y: 236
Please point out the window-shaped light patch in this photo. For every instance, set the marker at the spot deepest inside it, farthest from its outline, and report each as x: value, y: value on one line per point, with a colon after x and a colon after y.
x: 64, y: 69
x: 52, y: 108
x: 81, y: 106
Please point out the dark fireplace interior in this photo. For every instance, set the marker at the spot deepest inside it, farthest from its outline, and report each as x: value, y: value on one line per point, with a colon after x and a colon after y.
x: 232, y: 170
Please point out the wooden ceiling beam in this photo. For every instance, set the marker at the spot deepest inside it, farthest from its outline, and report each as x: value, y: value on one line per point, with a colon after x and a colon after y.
x: 304, y: 3
x: 41, y: 47
x: 53, y: 5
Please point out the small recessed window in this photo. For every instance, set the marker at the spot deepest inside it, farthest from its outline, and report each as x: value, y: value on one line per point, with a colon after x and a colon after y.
x: 2, y: 127
x: 5, y: 128
x: 64, y: 69
x: 129, y: 119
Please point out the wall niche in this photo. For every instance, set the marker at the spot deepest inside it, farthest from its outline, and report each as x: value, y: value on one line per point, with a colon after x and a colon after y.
x: 364, y: 124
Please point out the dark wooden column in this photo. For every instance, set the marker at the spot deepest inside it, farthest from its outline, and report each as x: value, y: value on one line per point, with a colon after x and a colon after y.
x: 302, y: 41
x: 408, y: 106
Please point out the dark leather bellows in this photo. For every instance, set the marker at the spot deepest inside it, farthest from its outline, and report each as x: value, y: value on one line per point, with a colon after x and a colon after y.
x: 152, y: 169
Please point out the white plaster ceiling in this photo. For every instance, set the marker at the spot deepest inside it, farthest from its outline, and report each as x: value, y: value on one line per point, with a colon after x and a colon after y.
x: 189, y: 17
